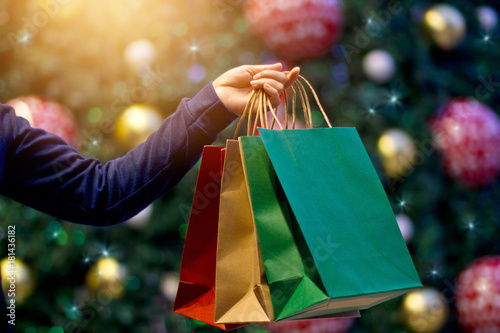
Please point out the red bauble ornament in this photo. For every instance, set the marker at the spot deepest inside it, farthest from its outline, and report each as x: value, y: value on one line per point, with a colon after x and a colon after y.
x: 340, y: 325
x: 467, y: 133
x: 296, y: 29
x: 48, y: 115
x: 478, y: 296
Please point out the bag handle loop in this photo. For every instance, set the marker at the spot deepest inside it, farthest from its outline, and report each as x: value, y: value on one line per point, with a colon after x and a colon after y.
x: 259, y: 101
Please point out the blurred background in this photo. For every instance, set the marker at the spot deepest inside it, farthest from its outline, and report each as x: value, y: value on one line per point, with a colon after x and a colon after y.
x: 420, y: 80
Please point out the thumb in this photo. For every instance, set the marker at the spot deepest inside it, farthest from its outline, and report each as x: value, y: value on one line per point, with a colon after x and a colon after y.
x: 259, y: 68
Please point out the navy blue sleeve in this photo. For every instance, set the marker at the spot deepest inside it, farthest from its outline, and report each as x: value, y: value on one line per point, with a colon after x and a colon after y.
x: 43, y: 172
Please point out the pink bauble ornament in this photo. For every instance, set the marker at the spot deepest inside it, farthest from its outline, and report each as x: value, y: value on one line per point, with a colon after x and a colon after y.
x: 478, y: 296
x: 48, y: 115
x: 296, y: 29
x: 467, y: 133
x: 340, y: 325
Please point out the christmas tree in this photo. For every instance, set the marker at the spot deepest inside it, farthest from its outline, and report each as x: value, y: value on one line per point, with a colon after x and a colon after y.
x: 417, y: 79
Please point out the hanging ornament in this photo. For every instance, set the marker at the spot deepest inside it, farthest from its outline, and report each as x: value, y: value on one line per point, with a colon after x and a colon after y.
x: 140, y: 54
x: 467, y: 133
x: 406, y: 226
x: 140, y: 220
x: 397, y: 152
x: 478, y: 296
x: 136, y: 123
x: 425, y: 310
x: 487, y: 17
x: 22, y: 285
x: 379, y: 66
x: 296, y: 29
x: 445, y: 25
x: 48, y: 115
x: 106, y: 276
x: 340, y: 325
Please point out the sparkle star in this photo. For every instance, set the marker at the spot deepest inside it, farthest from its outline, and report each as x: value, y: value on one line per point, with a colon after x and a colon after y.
x: 434, y: 271
x: 24, y: 37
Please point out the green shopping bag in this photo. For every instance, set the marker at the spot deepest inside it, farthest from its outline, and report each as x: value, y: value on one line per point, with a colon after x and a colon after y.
x: 342, y: 211
x: 293, y: 279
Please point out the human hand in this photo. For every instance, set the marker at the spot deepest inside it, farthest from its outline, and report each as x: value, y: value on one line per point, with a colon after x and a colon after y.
x: 235, y: 86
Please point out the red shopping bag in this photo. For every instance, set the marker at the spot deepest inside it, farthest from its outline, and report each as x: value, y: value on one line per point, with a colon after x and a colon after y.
x: 196, y: 294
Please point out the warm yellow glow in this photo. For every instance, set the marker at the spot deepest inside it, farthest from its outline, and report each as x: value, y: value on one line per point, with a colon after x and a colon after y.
x: 107, y: 274
x: 24, y: 284
x: 136, y: 123
x: 387, y: 145
x: 425, y: 310
x: 435, y: 20
x: 136, y: 119
x: 108, y: 269
x: 415, y: 302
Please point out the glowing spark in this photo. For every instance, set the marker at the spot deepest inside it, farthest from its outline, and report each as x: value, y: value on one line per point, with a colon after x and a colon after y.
x: 193, y: 48
x: 24, y: 37
x: 105, y: 253
x: 434, y: 271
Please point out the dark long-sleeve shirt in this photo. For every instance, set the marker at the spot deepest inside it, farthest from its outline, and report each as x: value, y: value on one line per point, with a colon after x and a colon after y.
x: 40, y: 170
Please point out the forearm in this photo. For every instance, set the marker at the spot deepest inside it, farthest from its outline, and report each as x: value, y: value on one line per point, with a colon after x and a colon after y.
x: 54, y: 178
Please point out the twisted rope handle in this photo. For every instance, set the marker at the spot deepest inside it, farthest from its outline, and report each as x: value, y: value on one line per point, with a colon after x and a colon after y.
x: 260, y: 100
x: 317, y: 101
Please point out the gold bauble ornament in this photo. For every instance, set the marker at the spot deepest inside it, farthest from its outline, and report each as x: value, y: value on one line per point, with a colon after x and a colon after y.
x: 445, y: 25
x: 397, y: 152
x: 106, y: 276
x: 136, y: 123
x: 17, y: 281
x: 425, y: 310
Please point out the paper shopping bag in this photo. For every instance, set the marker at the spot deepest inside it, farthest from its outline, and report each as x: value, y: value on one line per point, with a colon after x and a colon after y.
x: 344, y: 214
x: 196, y: 294
x: 293, y: 278
x: 241, y: 290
